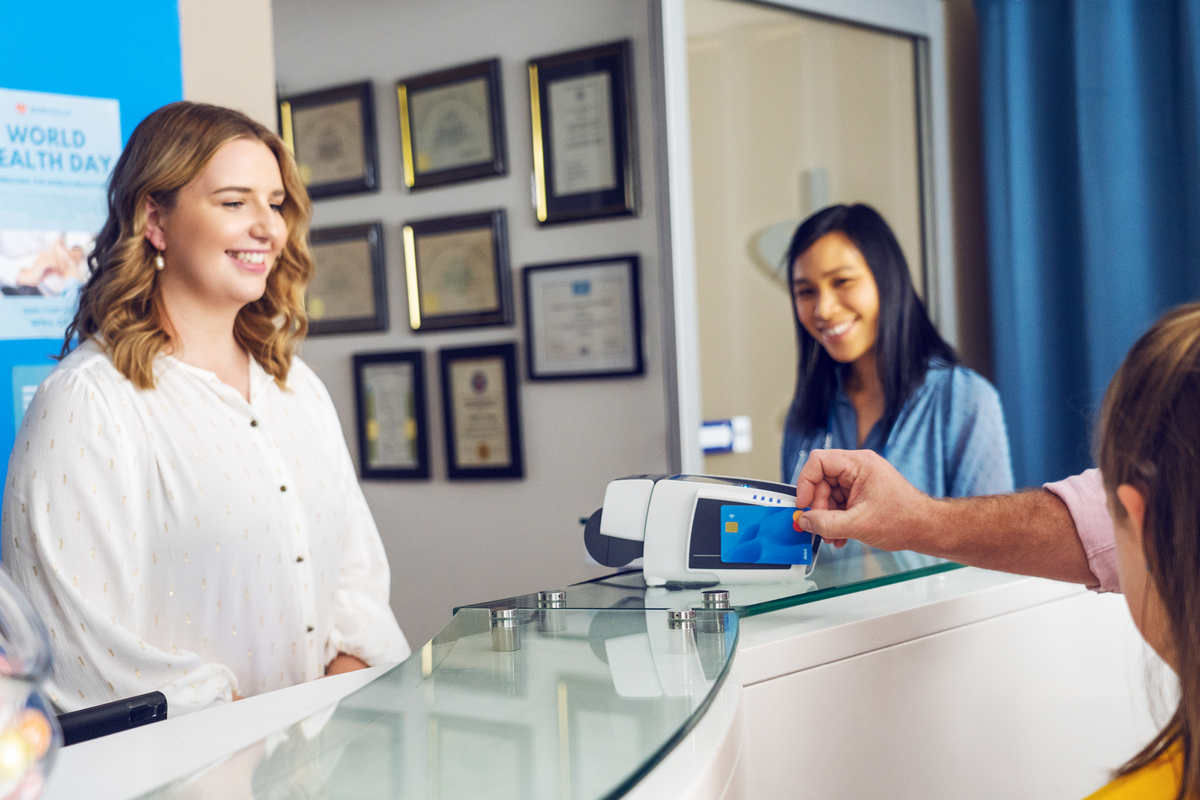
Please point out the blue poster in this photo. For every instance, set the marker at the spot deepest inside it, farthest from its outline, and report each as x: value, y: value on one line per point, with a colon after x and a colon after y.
x: 69, y: 65
x: 56, y: 153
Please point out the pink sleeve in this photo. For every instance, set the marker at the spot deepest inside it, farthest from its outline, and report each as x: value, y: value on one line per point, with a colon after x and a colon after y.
x: 1085, y: 499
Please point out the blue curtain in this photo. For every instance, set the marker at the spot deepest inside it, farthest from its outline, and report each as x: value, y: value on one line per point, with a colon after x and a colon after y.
x: 1091, y: 112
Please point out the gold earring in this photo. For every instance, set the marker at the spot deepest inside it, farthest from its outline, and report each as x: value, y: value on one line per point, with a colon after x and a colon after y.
x: 158, y: 261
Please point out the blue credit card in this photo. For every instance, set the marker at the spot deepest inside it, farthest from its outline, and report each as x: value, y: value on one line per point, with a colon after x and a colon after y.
x: 763, y: 535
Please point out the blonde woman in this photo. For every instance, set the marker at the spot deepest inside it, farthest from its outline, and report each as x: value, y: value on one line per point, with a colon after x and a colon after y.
x: 181, y: 506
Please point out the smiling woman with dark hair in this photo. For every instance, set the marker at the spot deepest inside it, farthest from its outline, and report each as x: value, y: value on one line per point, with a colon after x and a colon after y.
x: 873, y: 371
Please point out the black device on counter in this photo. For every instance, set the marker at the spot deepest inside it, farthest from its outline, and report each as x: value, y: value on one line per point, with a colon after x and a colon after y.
x: 114, y: 717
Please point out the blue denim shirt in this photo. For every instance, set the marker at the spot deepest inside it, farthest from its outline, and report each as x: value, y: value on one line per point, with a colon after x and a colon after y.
x: 949, y: 440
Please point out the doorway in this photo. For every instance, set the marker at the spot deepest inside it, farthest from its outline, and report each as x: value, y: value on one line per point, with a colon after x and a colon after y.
x: 789, y: 112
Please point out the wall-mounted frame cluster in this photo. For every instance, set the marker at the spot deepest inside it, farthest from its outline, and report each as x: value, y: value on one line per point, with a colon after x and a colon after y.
x: 582, y: 317
x: 452, y: 129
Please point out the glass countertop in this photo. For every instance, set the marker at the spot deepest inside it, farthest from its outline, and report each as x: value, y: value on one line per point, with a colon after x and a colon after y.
x: 850, y: 569
x: 584, y: 706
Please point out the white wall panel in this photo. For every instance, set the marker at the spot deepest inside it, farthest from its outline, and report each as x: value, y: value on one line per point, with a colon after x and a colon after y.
x: 228, y: 55
x: 1040, y: 703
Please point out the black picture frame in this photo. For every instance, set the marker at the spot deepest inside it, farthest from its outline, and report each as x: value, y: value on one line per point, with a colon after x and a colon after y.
x: 573, y: 330
x: 408, y: 369
x: 449, y: 101
x: 489, y: 362
x: 457, y: 272
x: 584, y: 179
x: 331, y: 132
x: 341, y: 249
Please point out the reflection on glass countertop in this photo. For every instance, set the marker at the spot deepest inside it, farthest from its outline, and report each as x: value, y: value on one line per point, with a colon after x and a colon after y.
x: 853, y: 568
x: 582, y: 706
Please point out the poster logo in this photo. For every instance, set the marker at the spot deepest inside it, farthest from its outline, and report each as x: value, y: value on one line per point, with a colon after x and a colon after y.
x: 22, y: 108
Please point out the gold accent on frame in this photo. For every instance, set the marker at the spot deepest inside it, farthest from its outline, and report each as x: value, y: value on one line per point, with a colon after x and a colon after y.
x: 539, y: 164
x: 285, y: 126
x: 410, y: 270
x: 406, y: 143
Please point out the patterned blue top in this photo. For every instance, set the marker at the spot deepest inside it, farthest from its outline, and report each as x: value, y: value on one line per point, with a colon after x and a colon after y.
x: 949, y: 440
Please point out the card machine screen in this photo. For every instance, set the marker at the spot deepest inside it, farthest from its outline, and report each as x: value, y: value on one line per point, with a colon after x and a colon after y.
x: 763, y: 535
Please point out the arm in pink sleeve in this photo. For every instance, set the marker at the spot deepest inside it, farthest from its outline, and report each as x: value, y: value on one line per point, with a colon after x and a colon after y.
x: 1085, y: 499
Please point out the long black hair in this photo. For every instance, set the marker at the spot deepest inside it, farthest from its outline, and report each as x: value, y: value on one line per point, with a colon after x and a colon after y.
x: 906, y: 341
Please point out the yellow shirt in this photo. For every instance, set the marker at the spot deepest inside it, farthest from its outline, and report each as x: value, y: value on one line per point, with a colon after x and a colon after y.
x: 1158, y: 779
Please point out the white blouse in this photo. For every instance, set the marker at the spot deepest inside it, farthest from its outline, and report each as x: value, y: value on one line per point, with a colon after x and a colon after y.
x: 183, y: 540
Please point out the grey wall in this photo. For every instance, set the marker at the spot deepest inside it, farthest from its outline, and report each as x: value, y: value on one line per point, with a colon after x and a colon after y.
x: 451, y: 543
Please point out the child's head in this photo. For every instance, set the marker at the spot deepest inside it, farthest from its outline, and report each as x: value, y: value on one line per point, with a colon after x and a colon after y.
x: 1149, y: 455
x: 1148, y: 450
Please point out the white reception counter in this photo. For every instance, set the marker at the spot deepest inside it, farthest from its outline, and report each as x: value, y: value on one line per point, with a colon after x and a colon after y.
x: 960, y: 683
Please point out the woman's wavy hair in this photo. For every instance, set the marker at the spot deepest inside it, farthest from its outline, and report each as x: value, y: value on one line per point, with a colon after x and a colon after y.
x: 121, y: 305
x: 1148, y: 437
x: 906, y: 340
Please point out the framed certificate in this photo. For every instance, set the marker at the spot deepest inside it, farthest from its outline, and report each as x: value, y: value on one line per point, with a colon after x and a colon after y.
x: 332, y: 135
x: 480, y: 408
x: 584, y: 153
x: 452, y: 125
x: 583, y: 319
x: 457, y: 271
x: 393, y: 436
x: 348, y: 290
